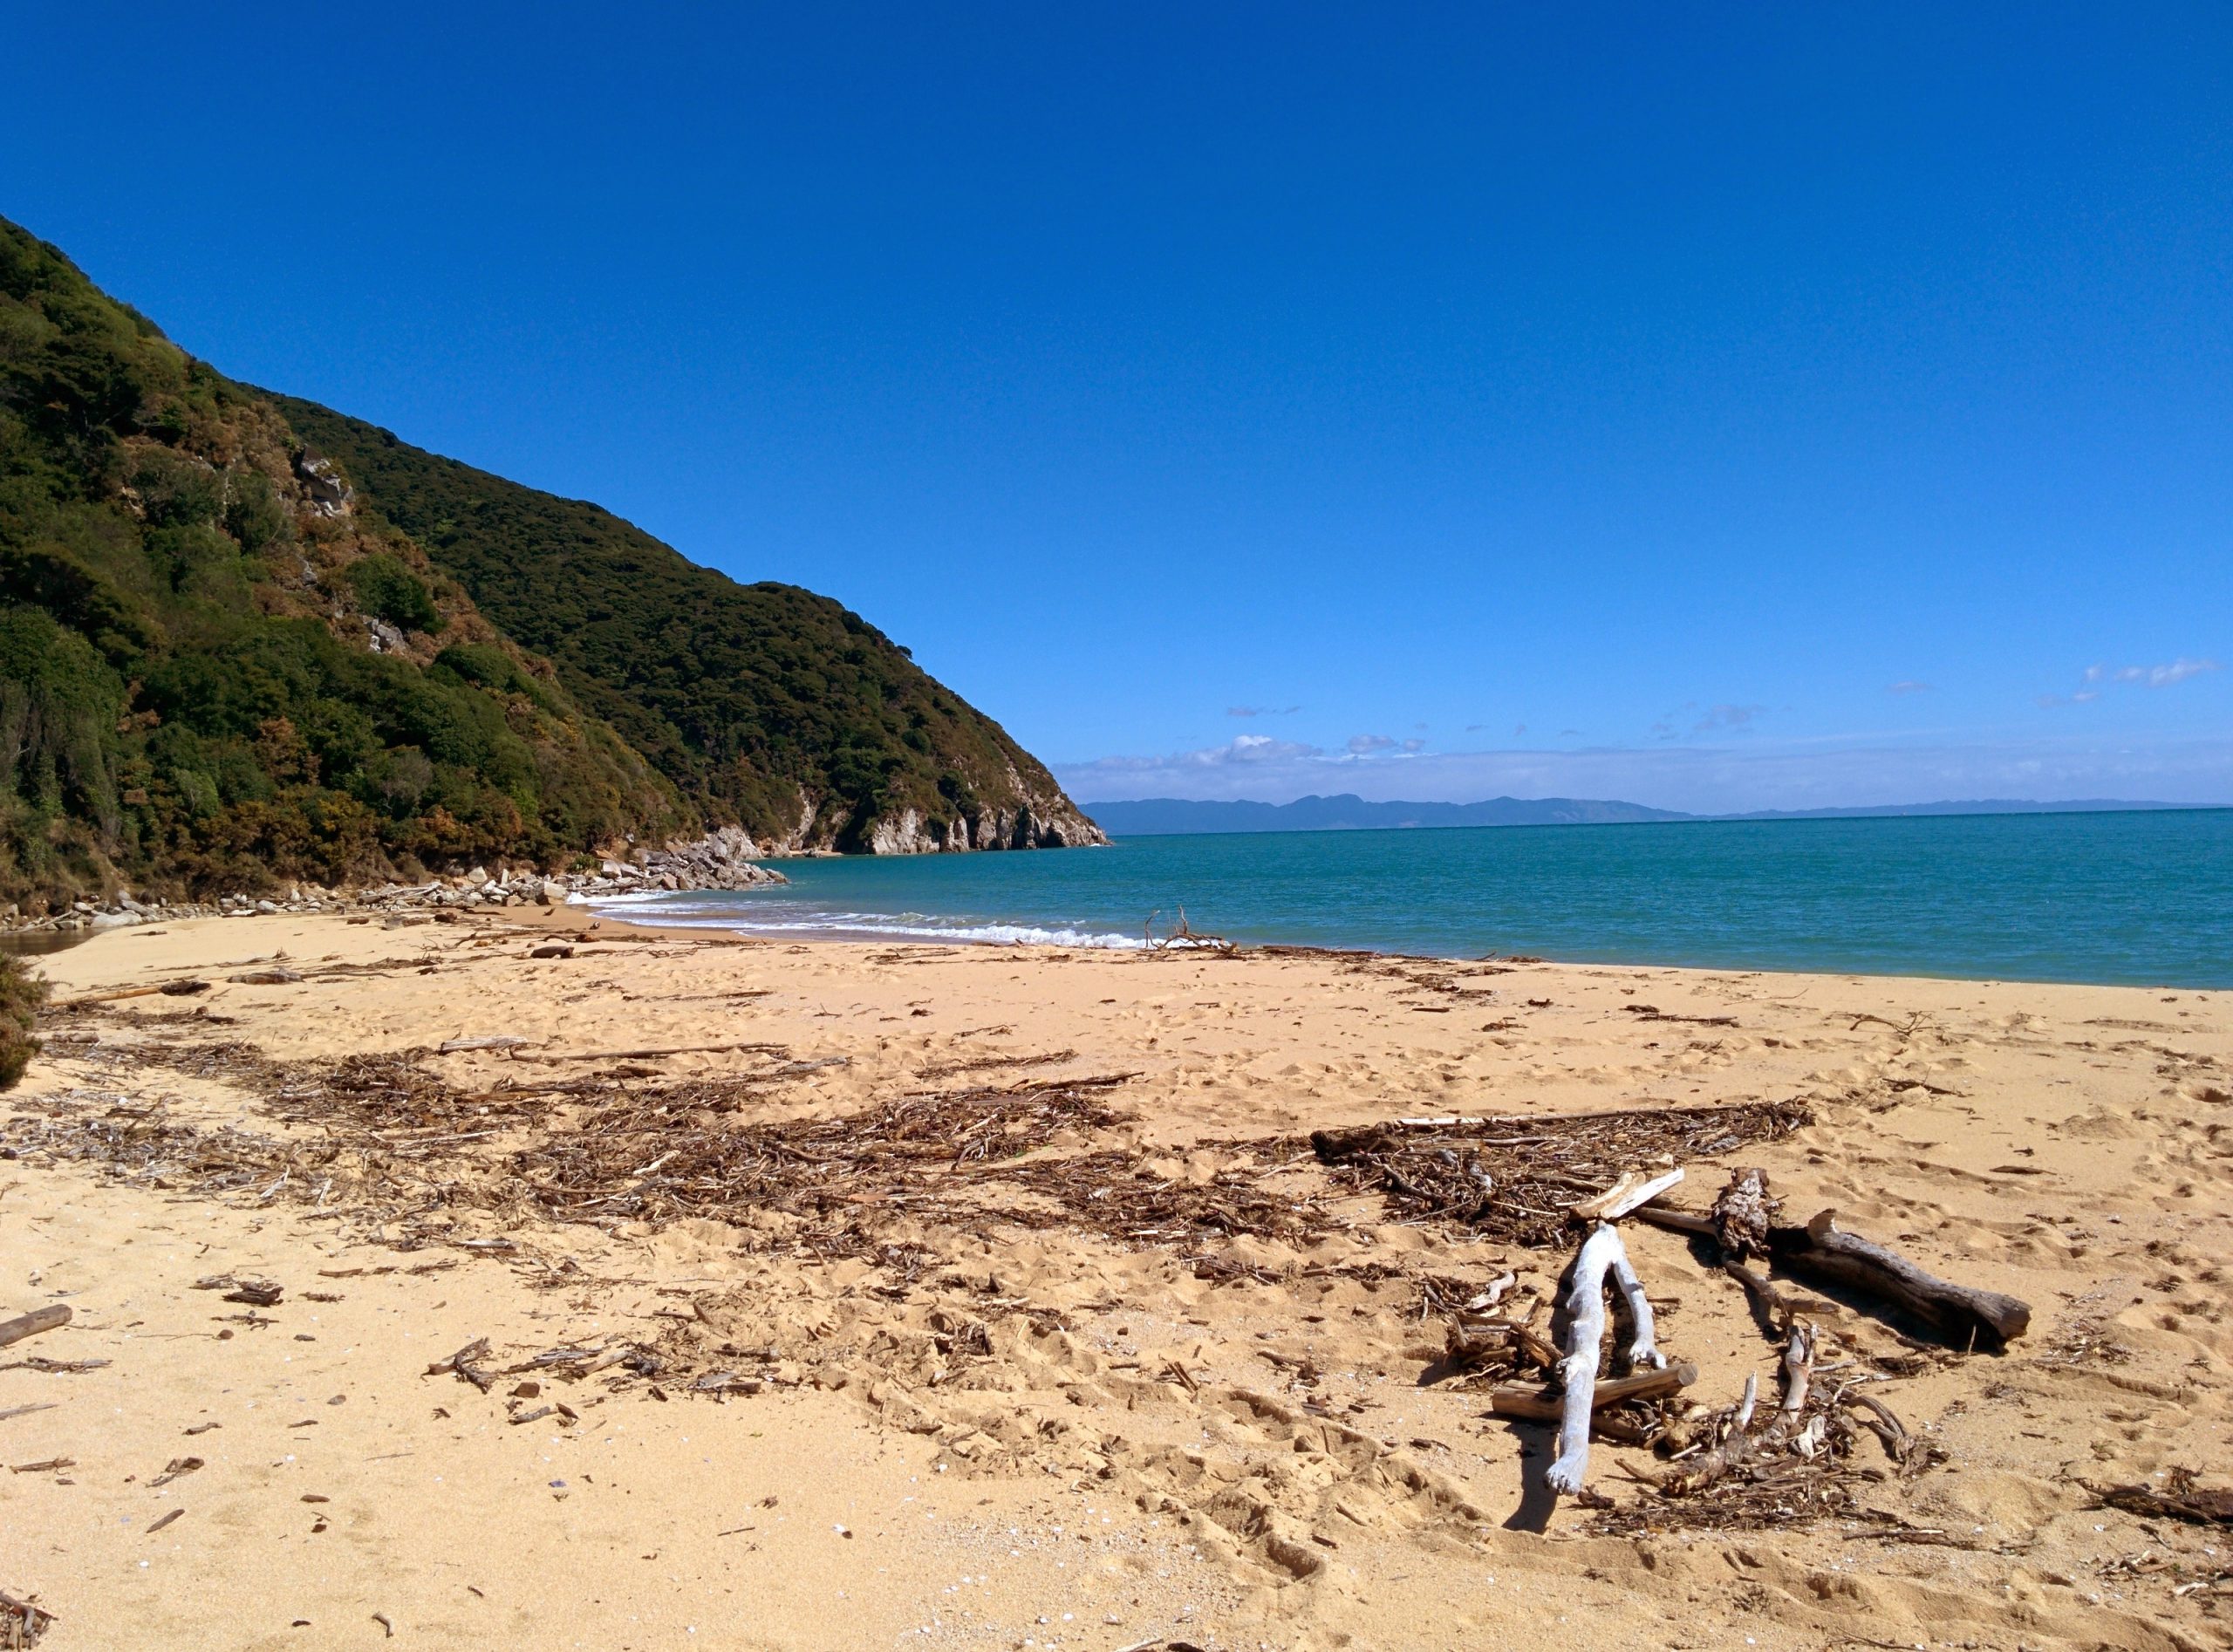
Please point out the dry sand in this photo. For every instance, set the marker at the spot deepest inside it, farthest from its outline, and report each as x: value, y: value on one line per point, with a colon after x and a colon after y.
x: 1225, y: 1442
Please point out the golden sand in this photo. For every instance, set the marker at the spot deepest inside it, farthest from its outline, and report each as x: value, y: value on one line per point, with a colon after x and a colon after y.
x: 1009, y: 1433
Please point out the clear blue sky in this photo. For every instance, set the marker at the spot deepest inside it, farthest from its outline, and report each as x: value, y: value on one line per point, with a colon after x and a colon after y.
x: 1717, y: 407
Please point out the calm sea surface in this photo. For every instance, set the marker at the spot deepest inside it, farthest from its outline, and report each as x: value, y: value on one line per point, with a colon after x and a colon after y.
x: 2144, y: 898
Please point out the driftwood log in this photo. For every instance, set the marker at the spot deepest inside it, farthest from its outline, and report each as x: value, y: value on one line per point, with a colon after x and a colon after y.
x: 1824, y: 1251
x: 31, y: 1324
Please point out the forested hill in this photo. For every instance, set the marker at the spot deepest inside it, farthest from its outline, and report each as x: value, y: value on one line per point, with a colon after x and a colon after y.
x: 224, y: 659
x: 756, y: 700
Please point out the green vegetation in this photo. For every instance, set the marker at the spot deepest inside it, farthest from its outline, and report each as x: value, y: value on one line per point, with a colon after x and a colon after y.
x: 219, y: 665
x: 21, y: 994
x: 744, y: 696
x: 387, y: 590
x: 188, y: 691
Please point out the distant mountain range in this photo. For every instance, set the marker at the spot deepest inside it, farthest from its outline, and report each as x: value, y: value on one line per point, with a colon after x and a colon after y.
x: 1154, y: 816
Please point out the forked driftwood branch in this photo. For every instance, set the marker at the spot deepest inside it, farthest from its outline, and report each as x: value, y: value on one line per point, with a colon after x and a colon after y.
x: 1601, y: 1254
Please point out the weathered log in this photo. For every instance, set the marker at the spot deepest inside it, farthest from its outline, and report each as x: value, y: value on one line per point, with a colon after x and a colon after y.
x: 1823, y: 1251
x: 1548, y: 1405
x: 31, y: 1324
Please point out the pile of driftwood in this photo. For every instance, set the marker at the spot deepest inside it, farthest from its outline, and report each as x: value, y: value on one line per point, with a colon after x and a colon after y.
x: 1753, y: 1462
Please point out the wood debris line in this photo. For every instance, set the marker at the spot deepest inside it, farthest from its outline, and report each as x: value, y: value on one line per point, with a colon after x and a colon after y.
x: 938, y: 1154
x: 186, y: 988
x: 1514, y: 1179
x: 649, y: 1054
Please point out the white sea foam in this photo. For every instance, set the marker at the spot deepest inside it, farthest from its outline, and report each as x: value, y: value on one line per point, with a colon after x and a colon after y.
x: 678, y: 912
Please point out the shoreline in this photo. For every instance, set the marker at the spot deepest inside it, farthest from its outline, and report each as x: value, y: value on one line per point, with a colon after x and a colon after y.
x: 871, y: 938
x: 715, y: 1201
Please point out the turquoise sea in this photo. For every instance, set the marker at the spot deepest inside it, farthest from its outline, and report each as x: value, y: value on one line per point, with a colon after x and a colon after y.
x: 2143, y: 898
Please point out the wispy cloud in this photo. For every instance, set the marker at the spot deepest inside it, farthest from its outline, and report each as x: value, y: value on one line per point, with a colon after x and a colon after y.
x: 2096, y: 679
x: 1261, y: 711
x: 1362, y: 744
x: 1241, y: 751
x: 2158, y: 676
x: 1908, y: 686
x: 1726, y: 717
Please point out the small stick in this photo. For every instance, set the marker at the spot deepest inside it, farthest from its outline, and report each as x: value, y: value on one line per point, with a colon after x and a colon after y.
x: 643, y: 1054
x: 1675, y: 1221
x: 165, y: 1521
x: 31, y: 1324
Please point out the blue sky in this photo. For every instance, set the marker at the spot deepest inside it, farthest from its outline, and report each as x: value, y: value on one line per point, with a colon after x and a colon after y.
x: 1753, y: 407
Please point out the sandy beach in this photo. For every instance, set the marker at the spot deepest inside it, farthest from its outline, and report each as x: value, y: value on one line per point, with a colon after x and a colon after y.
x: 853, y: 1296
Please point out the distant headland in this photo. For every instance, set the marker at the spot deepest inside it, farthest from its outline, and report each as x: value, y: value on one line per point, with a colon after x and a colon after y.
x: 1154, y: 816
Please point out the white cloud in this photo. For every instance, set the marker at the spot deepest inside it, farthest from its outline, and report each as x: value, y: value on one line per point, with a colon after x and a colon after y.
x: 1261, y: 711
x: 2163, y: 676
x: 1361, y: 744
x: 1908, y: 686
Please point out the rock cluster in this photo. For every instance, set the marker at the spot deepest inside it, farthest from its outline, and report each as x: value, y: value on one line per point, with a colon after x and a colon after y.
x: 721, y: 860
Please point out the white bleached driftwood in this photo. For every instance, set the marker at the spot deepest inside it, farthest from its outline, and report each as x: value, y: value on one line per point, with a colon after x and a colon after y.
x: 1602, y: 1253
x: 1634, y: 1188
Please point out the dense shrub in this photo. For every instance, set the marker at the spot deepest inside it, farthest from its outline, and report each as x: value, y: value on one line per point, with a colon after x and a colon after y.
x: 385, y: 588
x: 21, y: 994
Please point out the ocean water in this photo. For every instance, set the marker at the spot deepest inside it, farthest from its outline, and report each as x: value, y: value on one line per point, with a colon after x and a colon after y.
x: 2143, y: 898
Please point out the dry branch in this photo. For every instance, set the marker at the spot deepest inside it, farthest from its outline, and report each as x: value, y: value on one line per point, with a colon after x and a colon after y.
x: 1548, y: 1405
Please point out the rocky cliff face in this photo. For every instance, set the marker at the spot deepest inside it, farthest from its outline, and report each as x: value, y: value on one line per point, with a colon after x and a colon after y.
x: 1040, y: 823
x: 908, y: 834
